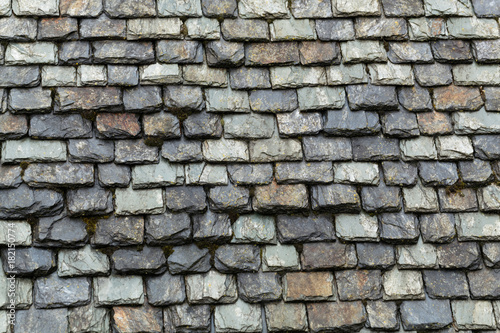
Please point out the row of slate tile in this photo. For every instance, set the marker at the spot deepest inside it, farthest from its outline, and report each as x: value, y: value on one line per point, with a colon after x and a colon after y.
x: 250, y: 8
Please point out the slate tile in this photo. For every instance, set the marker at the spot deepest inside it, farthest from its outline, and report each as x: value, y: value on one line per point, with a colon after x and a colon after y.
x: 443, y: 284
x: 322, y: 255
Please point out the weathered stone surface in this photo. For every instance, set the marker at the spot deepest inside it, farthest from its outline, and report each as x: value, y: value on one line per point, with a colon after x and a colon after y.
x: 484, y: 283
x: 291, y: 29
x: 185, y: 316
x: 89, y: 201
x: 344, y: 316
x: 375, y: 148
x: 206, y: 174
x: 357, y: 227
x: 224, y: 8
x: 250, y: 78
x: 205, y: 76
x: 421, y: 148
x: 435, y: 74
x: 452, y: 51
x: 489, y: 198
x: 454, y: 147
x: 473, y: 314
x: 237, y: 258
x: 119, y: 231
x: 144, y: 99
x: 477, y: 122
x: 319, y: 98
x: 24, y: 201
x: 88, y: 318
x: 446, y: 284
x: 21, y: 231
x: 202, y: 28
x: 286, y: 316
x: 297, y: 229
x: 349, y: 123
x: 491, y: 254
x: 183, y: 97
x: 484, y: 8
x: 335, y: 29
x: 438, y: 173
x: 311, y: 9
x: 225, y: 54
x: 211, y: 287
x: 399, y: 228
x: 250, y: 174
x: 328, y: 255
x: 247, y: 318
x: 31, y: 53
x: 83, y: 8
x: 381, y: 27
x: 229, y: 197
x: 375, y: 255
x: 165, y: 289
x: 297, y: 172
x: 163, y: 125
x: 363, y: 51
x: 465, y: 201
x: 157, y: 175
x: 167, y: 228
x: 335, y: 197
x: 130, y: 8
x: 10, y: 176
x: 188, y: 259
x: 179, y: 52
x: 252, y: 126
x: 153, y: 28
x: 212, y: 227
x: 356, y: 173
x: 18, y: 28
x: 402, y: 124
x: 437, y: 8
x: 135, y: 152
x: 118, y: 125
x: 359, y: 284
x: 476, y: 74
x: 60, y: 231
x: 82, y: 262
x: 135, y: 202
x: 319, y: 53
x: 382, y: 315
x: 459, y: 255
x: 279, y: 257
x: 182, y: 151
x: 266, y: 54
x: 477, y: 226
x: 160, y: 74
x: 225, y: 150
x: 56, y: 292
x: 403, y: 8
x: 30, y: 261
x: 123, y: 52
x: 399, y: 173
x: 417, y: 256
x: 118, y: 290
x: 437, y: 228
x: 370, y: 97
x: 245, y: 30
x: 275, y: 149
x: 112, y: 175
x: 254, y: 228
x: 402, y: 284
x: 90, y: 151
x: 12, y: 126
x: 486, y: 51
x: 299, y: 123
x: 485, y: 146
x: 476, y: 171
x: 52, y: 126
x: 88, y: 98
x: 149, y: 260
x: 274, y: 197
x: 381, y: 198
x: 19, y: 76
x: 432, y: 123
x: 189, y: 198
x: 137, y: 319
x: 472, y: 27
x: 302, y: 286
x: 30, y: 100
x: 426, y: 314
x: 92, y: 75
x: 297, y: 76
x: 318, y: 148
x: 347, y: 74
x: 59, y: 174
x: 391, y: 74
x: 42, y: 320
x: 75, y: 52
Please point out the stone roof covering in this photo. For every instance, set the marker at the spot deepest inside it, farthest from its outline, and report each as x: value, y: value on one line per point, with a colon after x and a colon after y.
x: 251, y: 165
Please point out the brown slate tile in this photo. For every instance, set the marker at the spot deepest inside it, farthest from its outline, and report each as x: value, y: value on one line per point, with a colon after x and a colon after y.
x: 311, y: 286
x: 342, y: 316
x: 434, y: 123
x: 319, y: 53
x: 455, y: 98
x: 266, y: 54
x: 118, y: 125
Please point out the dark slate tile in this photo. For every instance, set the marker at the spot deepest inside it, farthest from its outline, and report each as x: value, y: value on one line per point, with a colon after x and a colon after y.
x: 436, y: 74
x: 399, y: 228
x: 118, y: 231
x: 56, y: 292
x: 203, y: 125
x: 221, y: 53
x: 51, y: 126
x: 438, y: 173
x: 491, y: 254
x: 179, y: 51
x: 76, y: 52
x: 415, y: 98
x: 446, y: 284
x: 381, y: 198
x: 459, y: 255
x: 165, y: 289
x: 298, y: 229
x: 454, y: 51
x: 398, y: 173
x: 237, y: 258
x: 351, y: 123
x: 375, y: 255
x: 60, y: 231
x: 189, y: 259
x: 359, y: 284
x: 335, y: 198
x: 30, y: 261
x: 426, y: 314
x: 437, y: 228
x: 168, y: 228
x: 486, y: 147
x: 259, y: 287
x: 370, y: 97
x: 212, y: 227
x: 375, y: 148
x: 319, y: 53
x: 401, y: 124
x: 486, y: 8
x: 273, y: 100
x: 337, y: 29
x: 149, y: 260
x: 112, y: 175
x: 484, y: 283
x: 186, y: 198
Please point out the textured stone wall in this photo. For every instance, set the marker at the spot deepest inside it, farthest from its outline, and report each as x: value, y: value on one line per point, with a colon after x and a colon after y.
x: 251, y: 165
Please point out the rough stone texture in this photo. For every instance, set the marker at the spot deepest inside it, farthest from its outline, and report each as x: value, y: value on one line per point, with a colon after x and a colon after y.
x: 259, y: 287
x: 399, y: 227
x: 24, y: 201
x: 354, y: 227
x: 426, y: 314
x: 187, y: 316
x: 444, y: 284
x: 135, y: 202
x: 344, y: 316
x: 459, y: 255
x: 295, y: 229
x: 119, y: 231
x: 211, y: 287
x: 149, y: 260
x: 286, y: 316
x: 254, y: 228
x: 165, y: 289
x: 335, y: 197
x: 360, y: 284
x: 327, y: 256
x: 212, y: 227
x: 301, y: 286
x: 82, y: 262
x: 56, y: 292
x: 247, y: 318
x: 118, y: 290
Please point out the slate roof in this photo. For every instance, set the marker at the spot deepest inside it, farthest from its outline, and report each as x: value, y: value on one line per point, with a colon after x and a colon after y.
x: 251, y: 165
